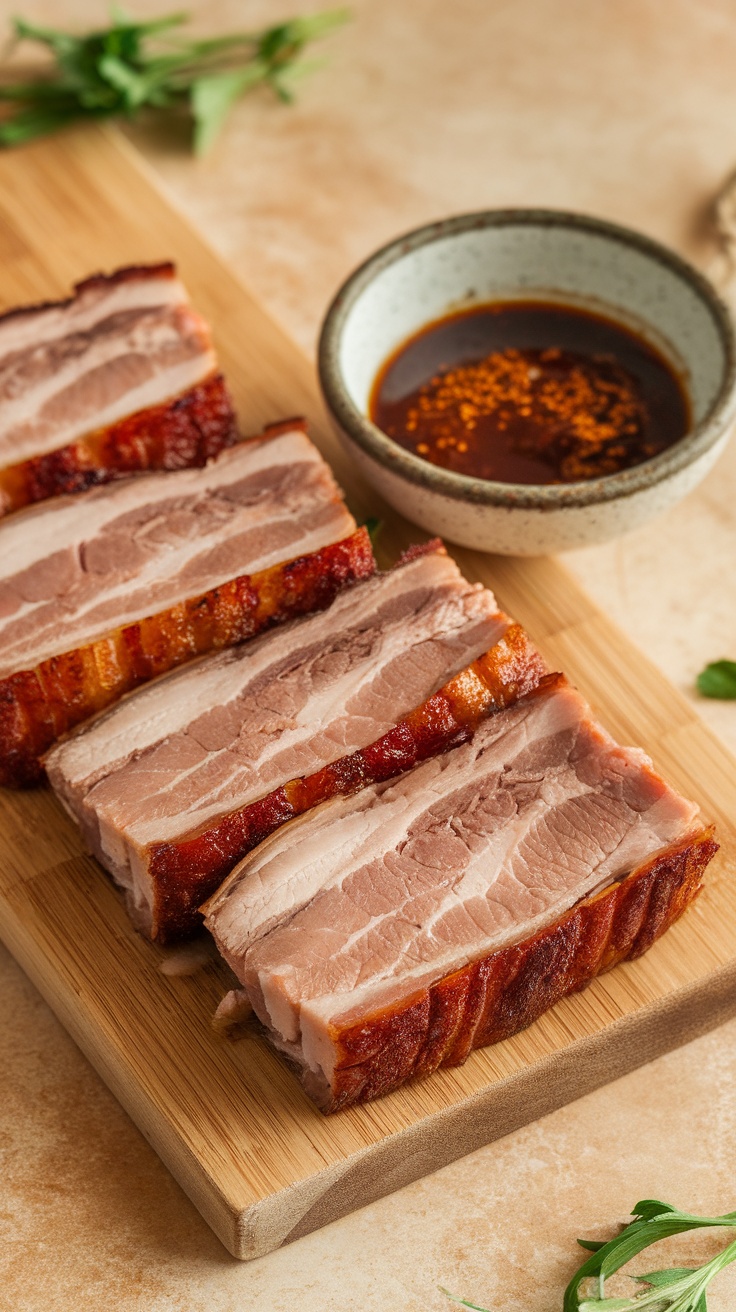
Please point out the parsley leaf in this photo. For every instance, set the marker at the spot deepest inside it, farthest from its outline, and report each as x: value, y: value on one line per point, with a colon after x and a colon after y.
x: 718, y: 680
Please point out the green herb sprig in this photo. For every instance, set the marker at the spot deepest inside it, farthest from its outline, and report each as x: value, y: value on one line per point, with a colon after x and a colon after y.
x: 131, y: 66
x: 673, y: 1289
x: 718, y: 680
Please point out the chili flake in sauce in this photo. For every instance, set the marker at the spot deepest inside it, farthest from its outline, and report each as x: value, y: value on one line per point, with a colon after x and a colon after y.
x: 530, y: 392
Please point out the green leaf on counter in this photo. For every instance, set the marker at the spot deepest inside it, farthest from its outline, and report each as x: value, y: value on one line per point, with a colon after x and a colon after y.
x: 667, y: 1276
x: 214, y: 95
x: 718, y: 680
x: 672, y: 1289
x: 131, y: 66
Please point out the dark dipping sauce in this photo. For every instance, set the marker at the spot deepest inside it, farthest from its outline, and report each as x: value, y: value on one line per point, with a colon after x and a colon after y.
x: 530, y: 392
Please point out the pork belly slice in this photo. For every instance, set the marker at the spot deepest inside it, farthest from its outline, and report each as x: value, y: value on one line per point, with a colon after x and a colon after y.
x: 185, y: 871
x: 175, y: 784
x: 38, y: 706
x: 391, y: 932
x: 71, y: 570
x: 156, y: 570
x: 121, y: 377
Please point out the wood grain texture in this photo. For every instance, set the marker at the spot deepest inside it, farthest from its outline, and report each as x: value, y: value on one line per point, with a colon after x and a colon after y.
x: 228, y: 1119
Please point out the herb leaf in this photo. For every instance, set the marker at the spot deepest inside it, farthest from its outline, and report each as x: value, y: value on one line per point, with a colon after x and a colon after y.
x: 670, y: 1290
x: 213, y: 96
x: 651, y: 1207
x: 673, y: 1289
x: 665, y: 1277
x: 718, y: 680
x: 131, y: 65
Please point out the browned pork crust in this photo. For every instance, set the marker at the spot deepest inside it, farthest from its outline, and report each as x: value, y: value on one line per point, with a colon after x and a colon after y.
x: 37, y: 706
x: 492, y: 999
x: 128, y: 273
x: 119, y: 378
x: 184, y: 432
x: 184, y: 873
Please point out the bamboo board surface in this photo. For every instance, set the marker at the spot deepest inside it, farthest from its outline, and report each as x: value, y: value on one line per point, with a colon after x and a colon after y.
x: 229, y: 1120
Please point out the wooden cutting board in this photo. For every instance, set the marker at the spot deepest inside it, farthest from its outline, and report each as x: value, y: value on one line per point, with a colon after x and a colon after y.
x: 228, y: 1119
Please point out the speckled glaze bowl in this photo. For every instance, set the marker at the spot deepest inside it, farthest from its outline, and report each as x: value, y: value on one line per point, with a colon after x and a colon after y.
x: 539, y: 254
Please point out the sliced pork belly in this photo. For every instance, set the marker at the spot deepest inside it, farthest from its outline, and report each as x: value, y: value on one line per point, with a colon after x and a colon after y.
x: 388, y: 933
x: 121, y: 377
x: 184, y: 871
x: 174, y: 784
x: 98, y: 595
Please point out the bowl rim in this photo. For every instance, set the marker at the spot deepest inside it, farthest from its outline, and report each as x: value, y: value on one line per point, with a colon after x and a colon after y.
x: 461, y: 487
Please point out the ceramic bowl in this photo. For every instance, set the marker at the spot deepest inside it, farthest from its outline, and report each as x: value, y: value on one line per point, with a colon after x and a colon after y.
x: 542, y: 255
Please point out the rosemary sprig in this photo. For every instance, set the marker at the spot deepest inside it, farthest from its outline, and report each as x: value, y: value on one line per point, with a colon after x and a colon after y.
x: 673, y: 1289
x: 131, y: 66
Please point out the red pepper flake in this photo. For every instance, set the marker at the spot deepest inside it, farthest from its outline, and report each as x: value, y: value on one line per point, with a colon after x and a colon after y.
x: 537, y: 414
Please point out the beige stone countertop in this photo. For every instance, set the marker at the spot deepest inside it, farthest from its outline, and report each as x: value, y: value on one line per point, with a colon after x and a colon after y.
x: 425, y: 107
